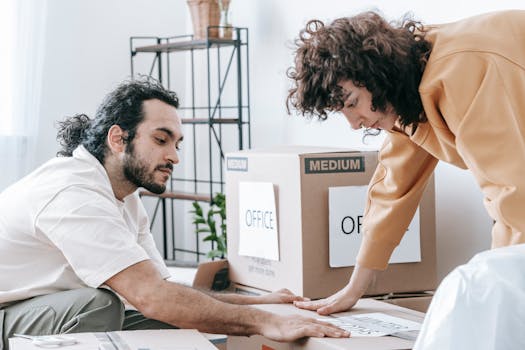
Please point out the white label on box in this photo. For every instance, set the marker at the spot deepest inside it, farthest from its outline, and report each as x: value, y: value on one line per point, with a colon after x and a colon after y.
x: 346, y: 207
x: 258, y: 235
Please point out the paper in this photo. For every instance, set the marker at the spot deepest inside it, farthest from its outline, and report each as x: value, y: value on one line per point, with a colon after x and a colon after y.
x: 346, y: 209
x: 258, y: 234
x: 373, y: 324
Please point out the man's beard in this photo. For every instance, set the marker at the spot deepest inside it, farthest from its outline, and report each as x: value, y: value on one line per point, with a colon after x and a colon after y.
x: 136, y: 171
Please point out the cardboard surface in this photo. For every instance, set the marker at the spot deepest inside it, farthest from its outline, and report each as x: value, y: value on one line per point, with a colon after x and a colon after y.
x: 418, y: 303
x: 302, y: 220
x: 206, y: 272
x: 146, y: 339
x: 363, y: 306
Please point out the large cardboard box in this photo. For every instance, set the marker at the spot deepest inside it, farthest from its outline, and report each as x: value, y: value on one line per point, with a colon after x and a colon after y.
x: 141, y: 339
x: 301, y: 177
x: 368, y: 343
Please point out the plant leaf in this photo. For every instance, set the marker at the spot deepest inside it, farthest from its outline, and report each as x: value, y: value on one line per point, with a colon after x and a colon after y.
x: 211, y: 238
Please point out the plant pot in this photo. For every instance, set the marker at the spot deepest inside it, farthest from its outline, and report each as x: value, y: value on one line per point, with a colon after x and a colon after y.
x: 204, y: 13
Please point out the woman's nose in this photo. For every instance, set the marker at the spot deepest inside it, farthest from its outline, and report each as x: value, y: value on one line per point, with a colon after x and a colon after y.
x: 355, y: 123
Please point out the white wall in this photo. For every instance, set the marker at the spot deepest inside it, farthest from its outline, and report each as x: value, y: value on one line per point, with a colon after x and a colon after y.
x: 88, y: 53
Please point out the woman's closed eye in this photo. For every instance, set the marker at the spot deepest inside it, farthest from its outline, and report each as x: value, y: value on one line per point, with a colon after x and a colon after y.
x: 352, y: 103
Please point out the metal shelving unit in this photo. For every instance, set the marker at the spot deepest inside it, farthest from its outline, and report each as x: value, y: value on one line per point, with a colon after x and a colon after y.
x: 224, y: 116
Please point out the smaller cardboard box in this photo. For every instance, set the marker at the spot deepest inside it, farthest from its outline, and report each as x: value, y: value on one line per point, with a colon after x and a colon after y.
x: 368, y: 343
x: 303, y: 179
x: 141, y: 339
x: 419, y: 302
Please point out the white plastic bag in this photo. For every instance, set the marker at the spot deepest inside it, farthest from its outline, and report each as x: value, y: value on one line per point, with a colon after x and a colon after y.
x: 479, y: 305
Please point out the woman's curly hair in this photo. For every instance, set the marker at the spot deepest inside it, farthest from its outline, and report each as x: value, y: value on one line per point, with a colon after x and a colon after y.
x: 122, y: 107
x: 388, y: 61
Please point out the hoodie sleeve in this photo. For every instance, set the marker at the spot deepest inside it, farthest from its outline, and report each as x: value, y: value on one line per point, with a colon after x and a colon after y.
x: 393, y: 196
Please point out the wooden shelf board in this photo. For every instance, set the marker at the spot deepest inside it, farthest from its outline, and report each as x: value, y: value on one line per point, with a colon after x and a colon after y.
x: 208, y: 121
x: 178, y: 195
x: 186, y: 45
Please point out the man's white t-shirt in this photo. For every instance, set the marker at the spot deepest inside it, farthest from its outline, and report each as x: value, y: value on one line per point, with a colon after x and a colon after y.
x: 62, y: 228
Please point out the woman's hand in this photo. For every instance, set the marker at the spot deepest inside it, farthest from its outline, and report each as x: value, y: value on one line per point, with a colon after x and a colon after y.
x: 344, y: 299
x: 340, y: 301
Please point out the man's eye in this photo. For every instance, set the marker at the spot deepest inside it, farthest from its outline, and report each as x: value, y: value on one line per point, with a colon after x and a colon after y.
x: 178, y: 147
x: 160, y: 141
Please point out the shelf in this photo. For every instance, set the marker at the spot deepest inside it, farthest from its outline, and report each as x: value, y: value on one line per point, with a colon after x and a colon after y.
x: 211, y: 121
x: 180, y: 179
x: 186, y: 45
x: 216, y: 114
x: 178, y: 195
x: 207, y: 108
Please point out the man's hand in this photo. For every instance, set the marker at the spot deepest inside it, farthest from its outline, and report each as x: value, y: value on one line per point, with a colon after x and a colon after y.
x: 142, y: 285
x: 289, y: 328
x: 281, y: 296
x: 344, y: 299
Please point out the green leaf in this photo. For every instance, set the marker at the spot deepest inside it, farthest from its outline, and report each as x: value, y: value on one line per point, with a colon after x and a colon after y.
x: 207, y: 221
x: 215, y: 254
x: 211, y: 238
x: 198, y: 208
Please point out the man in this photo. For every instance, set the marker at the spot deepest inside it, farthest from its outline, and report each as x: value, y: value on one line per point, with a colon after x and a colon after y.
x: 76, y: 224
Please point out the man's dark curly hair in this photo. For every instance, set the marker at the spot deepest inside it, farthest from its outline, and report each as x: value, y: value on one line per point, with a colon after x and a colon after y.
x: 122, y: 107
x: 388, y: 61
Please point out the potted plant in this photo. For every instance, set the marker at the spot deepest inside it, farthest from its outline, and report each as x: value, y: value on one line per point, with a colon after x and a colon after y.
x: 208, y: 223
x: 204, y: 13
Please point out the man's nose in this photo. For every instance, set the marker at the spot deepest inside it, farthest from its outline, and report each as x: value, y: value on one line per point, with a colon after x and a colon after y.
x: 173, y: 156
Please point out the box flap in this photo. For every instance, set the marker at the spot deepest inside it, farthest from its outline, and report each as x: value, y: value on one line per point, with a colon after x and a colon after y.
x: 287, y: 150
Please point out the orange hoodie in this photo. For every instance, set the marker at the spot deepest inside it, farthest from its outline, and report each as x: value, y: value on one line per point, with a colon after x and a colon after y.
x: 473, y: 94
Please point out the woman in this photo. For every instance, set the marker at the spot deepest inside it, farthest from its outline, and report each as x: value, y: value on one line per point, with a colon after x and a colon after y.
x: 452, y: 92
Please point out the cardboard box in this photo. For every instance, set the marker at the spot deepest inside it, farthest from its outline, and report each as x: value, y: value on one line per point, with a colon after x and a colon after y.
x: 302, y: 219
x: 419, y: 302
x: 143, y: 339
x: 368, y: 343
x: 413, y: 301
x: 212, y: 275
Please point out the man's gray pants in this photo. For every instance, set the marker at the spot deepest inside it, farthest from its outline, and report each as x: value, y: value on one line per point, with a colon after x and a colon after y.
x: 72, y: 311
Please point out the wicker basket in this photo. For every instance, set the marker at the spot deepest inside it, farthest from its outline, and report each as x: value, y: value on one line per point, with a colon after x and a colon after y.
x: 204, y: 13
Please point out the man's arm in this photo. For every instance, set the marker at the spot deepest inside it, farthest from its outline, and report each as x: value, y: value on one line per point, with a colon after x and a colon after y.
x: 184, y: 307
x: 281, y: 296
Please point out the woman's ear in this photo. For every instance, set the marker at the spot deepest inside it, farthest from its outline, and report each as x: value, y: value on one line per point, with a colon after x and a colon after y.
x: 116, y: 139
